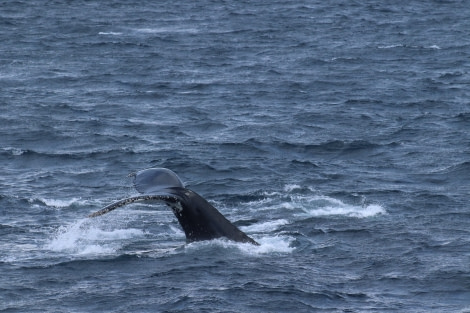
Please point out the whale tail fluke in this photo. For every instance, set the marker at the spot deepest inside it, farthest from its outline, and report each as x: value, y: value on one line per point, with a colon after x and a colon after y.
x: 198, y: 218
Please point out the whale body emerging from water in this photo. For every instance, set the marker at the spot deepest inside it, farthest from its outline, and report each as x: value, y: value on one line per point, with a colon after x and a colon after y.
x: 198, y: 218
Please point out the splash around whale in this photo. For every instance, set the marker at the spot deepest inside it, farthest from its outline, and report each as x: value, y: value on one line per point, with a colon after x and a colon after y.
x: 198, y: 218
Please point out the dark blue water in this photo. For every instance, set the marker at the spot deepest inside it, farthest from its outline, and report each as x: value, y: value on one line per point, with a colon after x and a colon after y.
x: 335, y: 133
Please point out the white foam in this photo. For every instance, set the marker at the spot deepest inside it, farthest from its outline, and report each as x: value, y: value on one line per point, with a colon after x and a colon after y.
x: 291, y: 187
x: 165, y: 30
x: 14, y: 151
x: 85, y: 237
x: 95, y: 250
x: 57, y: 203
x: 390, y: 46
x: 268, y: 245
x: 324, y: 206
x: 264, y: 227
x: 435, y: 47
x: 286, y: 206
x: 110, y: 33
x: 311, y: 203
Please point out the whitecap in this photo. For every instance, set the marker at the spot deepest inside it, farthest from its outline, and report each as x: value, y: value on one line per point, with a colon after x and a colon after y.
x: 14, y: 151
x: 312, y: 204
x: 291, y: 187
x: 267, y: 245
x: 110, y: 33
x: 265, y: 226
x: 57, y: 203
x: 390, y: 46
x: 167, y: 30
x: 85, y: 237
x: 325, y: 206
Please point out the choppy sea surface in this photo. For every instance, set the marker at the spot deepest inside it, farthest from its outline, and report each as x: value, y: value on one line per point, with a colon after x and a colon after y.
x: 335, y: 133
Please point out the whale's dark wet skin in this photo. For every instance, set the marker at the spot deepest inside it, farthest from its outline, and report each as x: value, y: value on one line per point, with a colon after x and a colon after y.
x: 198, y: 218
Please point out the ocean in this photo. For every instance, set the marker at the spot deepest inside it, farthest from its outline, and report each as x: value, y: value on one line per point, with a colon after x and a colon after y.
x: 335, y: 133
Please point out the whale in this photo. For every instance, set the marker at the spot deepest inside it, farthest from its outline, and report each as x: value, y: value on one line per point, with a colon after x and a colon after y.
x: 198, y: 218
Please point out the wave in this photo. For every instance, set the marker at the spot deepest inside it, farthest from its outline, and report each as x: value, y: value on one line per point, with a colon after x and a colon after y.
x: 463, y: 117
x: 327, y: 206
x: 169, y: 30
x: 268, y: 245
x: 454, y: 175
x: 58, y: 203
x: 71, y: 154
x: 327, y: 146
x: 265, y: 227
x: 305, y: 201
x: 269, y: 226
x: 86, y: 237
x: 110, y: 33
x: 392, y: 46
x: 13, y: 151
